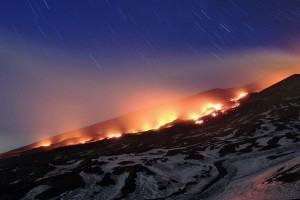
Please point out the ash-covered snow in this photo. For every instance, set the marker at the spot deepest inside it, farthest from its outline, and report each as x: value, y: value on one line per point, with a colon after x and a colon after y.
x: 35, y: 191
x: 254, y: 183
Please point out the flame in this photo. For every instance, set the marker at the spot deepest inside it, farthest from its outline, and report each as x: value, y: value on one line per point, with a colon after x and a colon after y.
x: 199, y: 122
x: 217, y: 106
x: 133, y: 131
x: 82, y: 141
x: 162, y: 122
x: 194, y: 116
x: 206, y: 110
x: 212, y: 109
x: 114, y: 135
x: 240, y: 96
x: 46, y: 144
x: 151, y: 120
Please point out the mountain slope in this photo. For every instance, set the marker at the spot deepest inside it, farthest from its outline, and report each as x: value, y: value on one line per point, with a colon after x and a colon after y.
x: 254, y: 146
x: 136, y: 121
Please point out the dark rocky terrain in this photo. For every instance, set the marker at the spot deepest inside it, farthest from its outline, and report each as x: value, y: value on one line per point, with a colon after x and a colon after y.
x: 251, y: 152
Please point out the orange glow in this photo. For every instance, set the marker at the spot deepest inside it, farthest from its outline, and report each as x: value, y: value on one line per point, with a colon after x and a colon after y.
x: 217, y: 106
x: 156, y: 118
x: 166, y: 119
x: 46, y: 145
x: 194, y: 116
x: 146, y: 127
x: 82, y: 141
x: 269, y: 78
x: 196, y: 108
x: 206, y: 110
x: 133, y: 131
x: 161, y: 122
x: 241, y: 95
x: 199, y: 122
x: 114, y: 135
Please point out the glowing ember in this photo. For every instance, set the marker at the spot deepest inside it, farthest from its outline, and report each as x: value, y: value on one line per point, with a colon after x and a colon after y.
x: 199, y: 121
x: 163, y: 122
x: 166, y: 120
x: 217, y: 106
x: 83, y: 141
x: 46, y: 145
x: 206, y: 110
x: 114, y: 135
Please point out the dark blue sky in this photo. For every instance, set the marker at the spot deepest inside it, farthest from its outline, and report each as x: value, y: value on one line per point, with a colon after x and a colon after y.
x: 66, y: 64
x: 106, y: 27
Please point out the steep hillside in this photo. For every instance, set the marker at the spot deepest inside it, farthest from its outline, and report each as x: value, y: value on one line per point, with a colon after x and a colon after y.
x: 134, y: 122
x: 250, y: 152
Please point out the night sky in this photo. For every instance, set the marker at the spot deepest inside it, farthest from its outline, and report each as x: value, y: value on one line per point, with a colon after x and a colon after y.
x: 66, y: 64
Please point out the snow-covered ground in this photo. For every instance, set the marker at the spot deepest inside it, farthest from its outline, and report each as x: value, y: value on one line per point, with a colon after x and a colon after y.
x: 251, y: 153
x: 251, y: 181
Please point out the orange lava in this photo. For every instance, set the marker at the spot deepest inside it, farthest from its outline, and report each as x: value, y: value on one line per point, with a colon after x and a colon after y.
x: 46, y: 145
x: 114, y: 135
x: 199, y: 122
x: 151, y: 120
x: 241, y: 95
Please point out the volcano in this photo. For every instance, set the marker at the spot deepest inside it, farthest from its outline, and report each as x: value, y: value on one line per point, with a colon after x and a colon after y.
x: 248, y: 148
x: 152, y: 118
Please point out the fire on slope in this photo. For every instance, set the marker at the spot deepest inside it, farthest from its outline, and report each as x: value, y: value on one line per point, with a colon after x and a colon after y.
x: 148, y: 121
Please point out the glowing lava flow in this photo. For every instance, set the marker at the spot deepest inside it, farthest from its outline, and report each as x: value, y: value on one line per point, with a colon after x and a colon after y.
x: 241, y: 95
x: 199, y: 121
x: 214, y: 109
x: 46, y: 144
x: 115, y: 135
x: 165, y: 120
x: 208, y: 109
x: 82, y: 141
